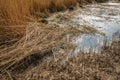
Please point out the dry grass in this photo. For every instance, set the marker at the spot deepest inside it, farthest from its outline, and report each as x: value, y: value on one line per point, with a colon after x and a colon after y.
x: 105, y: 66
x: 13, y: 12
x: 40, y: 40
x: 43, y: 41
x: 18, y: 12
x: 21, y: 11
x: 11, y: 34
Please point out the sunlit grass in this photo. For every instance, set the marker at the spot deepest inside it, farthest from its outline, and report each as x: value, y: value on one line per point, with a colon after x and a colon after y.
x: 17, y: 11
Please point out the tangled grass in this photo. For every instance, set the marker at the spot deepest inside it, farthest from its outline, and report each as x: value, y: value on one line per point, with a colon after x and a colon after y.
x: 38, y: 38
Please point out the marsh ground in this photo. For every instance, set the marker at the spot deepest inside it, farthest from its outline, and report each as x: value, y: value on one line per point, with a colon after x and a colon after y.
x: 82, y: 44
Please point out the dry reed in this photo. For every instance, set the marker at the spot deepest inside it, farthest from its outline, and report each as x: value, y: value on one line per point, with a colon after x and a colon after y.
x: 16, y: 12
x: 20, y: 11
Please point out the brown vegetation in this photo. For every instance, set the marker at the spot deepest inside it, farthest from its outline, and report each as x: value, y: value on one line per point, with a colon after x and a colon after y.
x: 78, y: 67
x: 18, y: 11
x: 15, y: 11
x: 32, y: 43
x: 38, y: 38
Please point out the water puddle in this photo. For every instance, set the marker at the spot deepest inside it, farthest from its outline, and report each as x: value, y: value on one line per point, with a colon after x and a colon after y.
x: 103, y: 17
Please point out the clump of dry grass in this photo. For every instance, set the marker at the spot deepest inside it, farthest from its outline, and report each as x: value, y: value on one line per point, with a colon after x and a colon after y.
x: 16, y: 12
